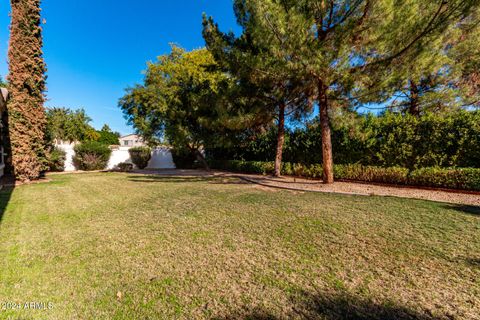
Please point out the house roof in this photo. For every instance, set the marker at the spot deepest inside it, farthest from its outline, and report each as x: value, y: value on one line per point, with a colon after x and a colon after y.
x: 129, y: 135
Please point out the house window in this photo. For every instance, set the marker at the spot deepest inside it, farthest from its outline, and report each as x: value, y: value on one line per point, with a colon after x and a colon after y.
x: 126, y: 143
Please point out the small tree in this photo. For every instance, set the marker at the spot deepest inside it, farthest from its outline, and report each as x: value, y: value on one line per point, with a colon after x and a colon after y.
x: 178, y: 100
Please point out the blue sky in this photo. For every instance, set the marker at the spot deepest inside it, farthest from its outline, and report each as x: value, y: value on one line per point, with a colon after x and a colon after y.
x: 94, y: 49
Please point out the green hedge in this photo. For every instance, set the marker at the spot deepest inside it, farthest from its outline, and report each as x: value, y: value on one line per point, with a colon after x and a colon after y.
x: 452, y: 178
x: 447, y: 139
x: 91, y: 156
x: 140, y: 156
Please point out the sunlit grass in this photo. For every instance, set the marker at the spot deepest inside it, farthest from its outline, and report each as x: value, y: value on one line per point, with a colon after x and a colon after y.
x: 120, y: 246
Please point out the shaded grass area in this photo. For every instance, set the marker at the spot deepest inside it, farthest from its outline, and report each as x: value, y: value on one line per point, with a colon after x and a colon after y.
x: 120, y: 246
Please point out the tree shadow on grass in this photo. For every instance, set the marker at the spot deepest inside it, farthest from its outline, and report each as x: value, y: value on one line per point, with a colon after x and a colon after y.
x: 185, y: 179
x: 166, y: 179
x: 5, y: 195
x: 474, y: 210
x: 338, y: 306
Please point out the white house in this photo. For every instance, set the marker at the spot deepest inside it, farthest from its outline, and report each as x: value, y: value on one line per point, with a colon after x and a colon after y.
x: 3, y: 109
x: 131, y: 140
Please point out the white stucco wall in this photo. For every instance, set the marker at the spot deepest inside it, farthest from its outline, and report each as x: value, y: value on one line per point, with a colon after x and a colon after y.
x: 161, y: 158
x: 119, y: 156
x: 68, y: 148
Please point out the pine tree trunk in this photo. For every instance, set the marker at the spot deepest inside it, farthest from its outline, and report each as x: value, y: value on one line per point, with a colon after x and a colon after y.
x: 326, y: 135
x: 280, y: 140
x: 414, y: 107
x: 26, y: 84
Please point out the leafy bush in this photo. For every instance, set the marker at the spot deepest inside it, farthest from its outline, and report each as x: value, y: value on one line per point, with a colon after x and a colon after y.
x: 124, y: 167
x: 140, y: 156
x: 56, y: 160
x: 453, y: 178
x: 393, y: 175
x: 91, y: 155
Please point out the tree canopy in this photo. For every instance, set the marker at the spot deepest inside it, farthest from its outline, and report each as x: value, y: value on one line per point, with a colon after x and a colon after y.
x: 186, y: 100
x: 66, y: 125
x: 351, y: 51
x: 107, y: 136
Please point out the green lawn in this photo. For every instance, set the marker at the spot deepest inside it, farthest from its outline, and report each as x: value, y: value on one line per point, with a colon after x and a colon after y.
x: 119, y: 246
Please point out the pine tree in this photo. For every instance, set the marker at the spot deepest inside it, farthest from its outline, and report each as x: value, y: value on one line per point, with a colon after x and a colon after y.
x: 26, y: 83
x: 348, y: 47
x: 279, y: 90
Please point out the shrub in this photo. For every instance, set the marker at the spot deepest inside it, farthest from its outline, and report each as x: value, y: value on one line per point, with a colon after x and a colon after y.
x: 56, y: 160
x: 140, y: 156
x: 124, y: 167
x: 91, y: 155
x: 447, y: 139
x: 453, y: 178
x: 393, y: 175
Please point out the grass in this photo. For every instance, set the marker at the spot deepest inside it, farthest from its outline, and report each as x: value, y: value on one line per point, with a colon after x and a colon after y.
x: 119, y: 246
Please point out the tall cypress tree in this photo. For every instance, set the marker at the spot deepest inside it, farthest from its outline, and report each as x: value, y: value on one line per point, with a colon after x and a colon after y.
x: 26, y: 81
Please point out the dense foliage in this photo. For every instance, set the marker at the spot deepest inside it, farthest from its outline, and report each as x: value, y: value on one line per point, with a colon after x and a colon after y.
x: 189, y: 102
x: 452, y: 178
x: 184, y: 159
x: 26, y: 84
x: 108, y: 137
x: 345, y: 52
x: 66, y: 125
x: 140, y: 156
x: 174, y: 101
x: 416, y: 59
x: 444, y: 140
x: 91, y: 155
x: 56, y: 160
